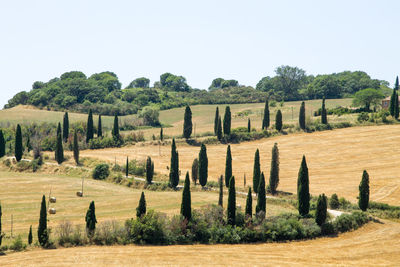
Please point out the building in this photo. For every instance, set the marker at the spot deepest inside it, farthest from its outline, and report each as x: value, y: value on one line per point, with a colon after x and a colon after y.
x: 386, y: 102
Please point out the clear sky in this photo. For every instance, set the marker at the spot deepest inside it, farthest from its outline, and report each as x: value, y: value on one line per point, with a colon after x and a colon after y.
x: 200, y: 40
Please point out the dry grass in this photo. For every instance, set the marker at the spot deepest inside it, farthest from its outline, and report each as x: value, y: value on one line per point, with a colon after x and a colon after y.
x: 373, y: 245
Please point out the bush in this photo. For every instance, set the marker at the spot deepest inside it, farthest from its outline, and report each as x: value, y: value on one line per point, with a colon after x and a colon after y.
x: 149, y: 229
x: 136, y: 167
x: 363, y: 116
x: 348, y: 222
x: 105, y: 142
x: 334, y: 202
x: 101, y: 171
x: 17, y: 245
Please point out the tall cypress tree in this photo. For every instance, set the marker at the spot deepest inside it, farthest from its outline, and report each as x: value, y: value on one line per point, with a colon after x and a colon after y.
x: 249, y: 203
x: 141, y: 208
x: 248, y: 125
x: 89, y: 127
x: 174, y: 168
x: 221, y: 192
x: 303, y: 193
x: 231, y: 202
x: 396, y: 106
x: 219, y: 129
x: 30, y: 236
x: 65, y: 127
x: 261, y: 197
x: 396, y: 84
x: 216, y: 121
x: 363, y: 197
x: 59, y: 152
x: 186, y: 205
x: 43, y: 236
x: 392, y: 103
x: 187, y: 123
x: 76, y: 148
x: 274, y: 172
x: 149, y: 170
x: 18, y: 144
x: 203, y: 165
x: 278, y: 120
x: 2, y: 144
x: 115, y: 130
x: 302, y: 116
x: 227, y: 121
x: 324, y: 118
x: 99, y: 128
x: 127, y: 167
x: 228, y: 166
x: 91, y: 220
x: 321, y: 212
x: 256, y: 171
x: 1, y: 233
x: 265, y: 122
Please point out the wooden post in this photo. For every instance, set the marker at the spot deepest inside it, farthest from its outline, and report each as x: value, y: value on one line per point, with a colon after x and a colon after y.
x: 244, y: 180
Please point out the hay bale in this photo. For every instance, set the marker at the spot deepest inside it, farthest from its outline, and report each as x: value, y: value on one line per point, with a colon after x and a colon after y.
x: 53, y: 200
x: 52, y: 211
x: 79, y: 194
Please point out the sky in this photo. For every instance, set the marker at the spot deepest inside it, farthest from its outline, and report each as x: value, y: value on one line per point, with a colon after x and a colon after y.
x: 200, y: 40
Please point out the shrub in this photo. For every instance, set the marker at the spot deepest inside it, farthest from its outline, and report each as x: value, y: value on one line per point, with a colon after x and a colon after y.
x: 334, y: 202
x: 101, y: 171
x: 136, y: 167
x: 363, y: 116
x: 17, y: 245
x: 348, y: 222
x: 149, y: 229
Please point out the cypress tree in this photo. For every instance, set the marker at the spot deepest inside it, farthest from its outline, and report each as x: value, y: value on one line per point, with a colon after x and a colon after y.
x: 195, y: 170
x: 203, y: 166
x: 91, y: 220
x: 324, y: 118
x: 115, y: 130
x: 278, y: 120
x: 174, y: 168
x: 228, y: 166
x: 396, y: 84
x: 99, y: 128
x: 186, y: 205
x: 161, y: 134
x: 396, y: 106
x: 265, y: 122
x: 231, y: 202
x: 274, y: 172
x: 141, y: 208
x: 221, y: 192
x: 392, y: 103
x: 248, y: 125
x: 89, y: 127
x: 59, y: 153
x: 321, y: 212
x: 65, y: 127
x: 18, y: 144
x: 249, y: 204
x: 219, y: 129
x: 363, y: 198
x: 76, y: 148
x: 216, y: 118
x: 302, y: 116
x: 256, y: 171
x: 30, y: 236
x: 28, y: 143
x: 127, y: 167
x: 149, y: 170
x: 227, y: 121
x: 187, y: 123
x: 303, y: 193
x: 261, y: 198
x: 43, y: 236
x: 2, y: 144
x: 1, y: 233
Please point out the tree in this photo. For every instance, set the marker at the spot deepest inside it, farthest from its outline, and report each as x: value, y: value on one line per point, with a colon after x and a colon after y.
x: 274, y: 172
x: 89, y: 127
x: 302, y: 116
x: 18, y: 144
x: 115, y: 130
x: 2, y: 144
x: 76, y: 148
x: 195, y: 170
x: 363, y: 197
x: 228, y: 166
x: 396, y: 106
x: 231, y: 202
x: 367, y: 97
x: 303, y: 194
x: 321, y: 212
x: 216, y: 121
x: 392, y: 103
x: 28, y: 143
x: 265, y: 122
x: 30, y: 236
x: 256, y: 171
x: 149, y: 170
x: 141, y: 208
x: 127, y: 168
x: 203, y: 165
x: 261, y: 197
x: 278, y: 120
x: 174, y: 168
x: 187, y: 123
x: 396, y: 84
x: 43, y: 236
x: 334, y: 202
x: 324, y: 118
x: 248, y: 125
x: 221, y: 191
x: 186, y: 206
x: 161, y: 134
x: 99, y: 128
x: 139, y: 83
x: 227, y: 121
x: 249, y: 204
x: 219, y: 129
x: 59, y: 152
x: 65, y: 127
x: 91, y: 220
